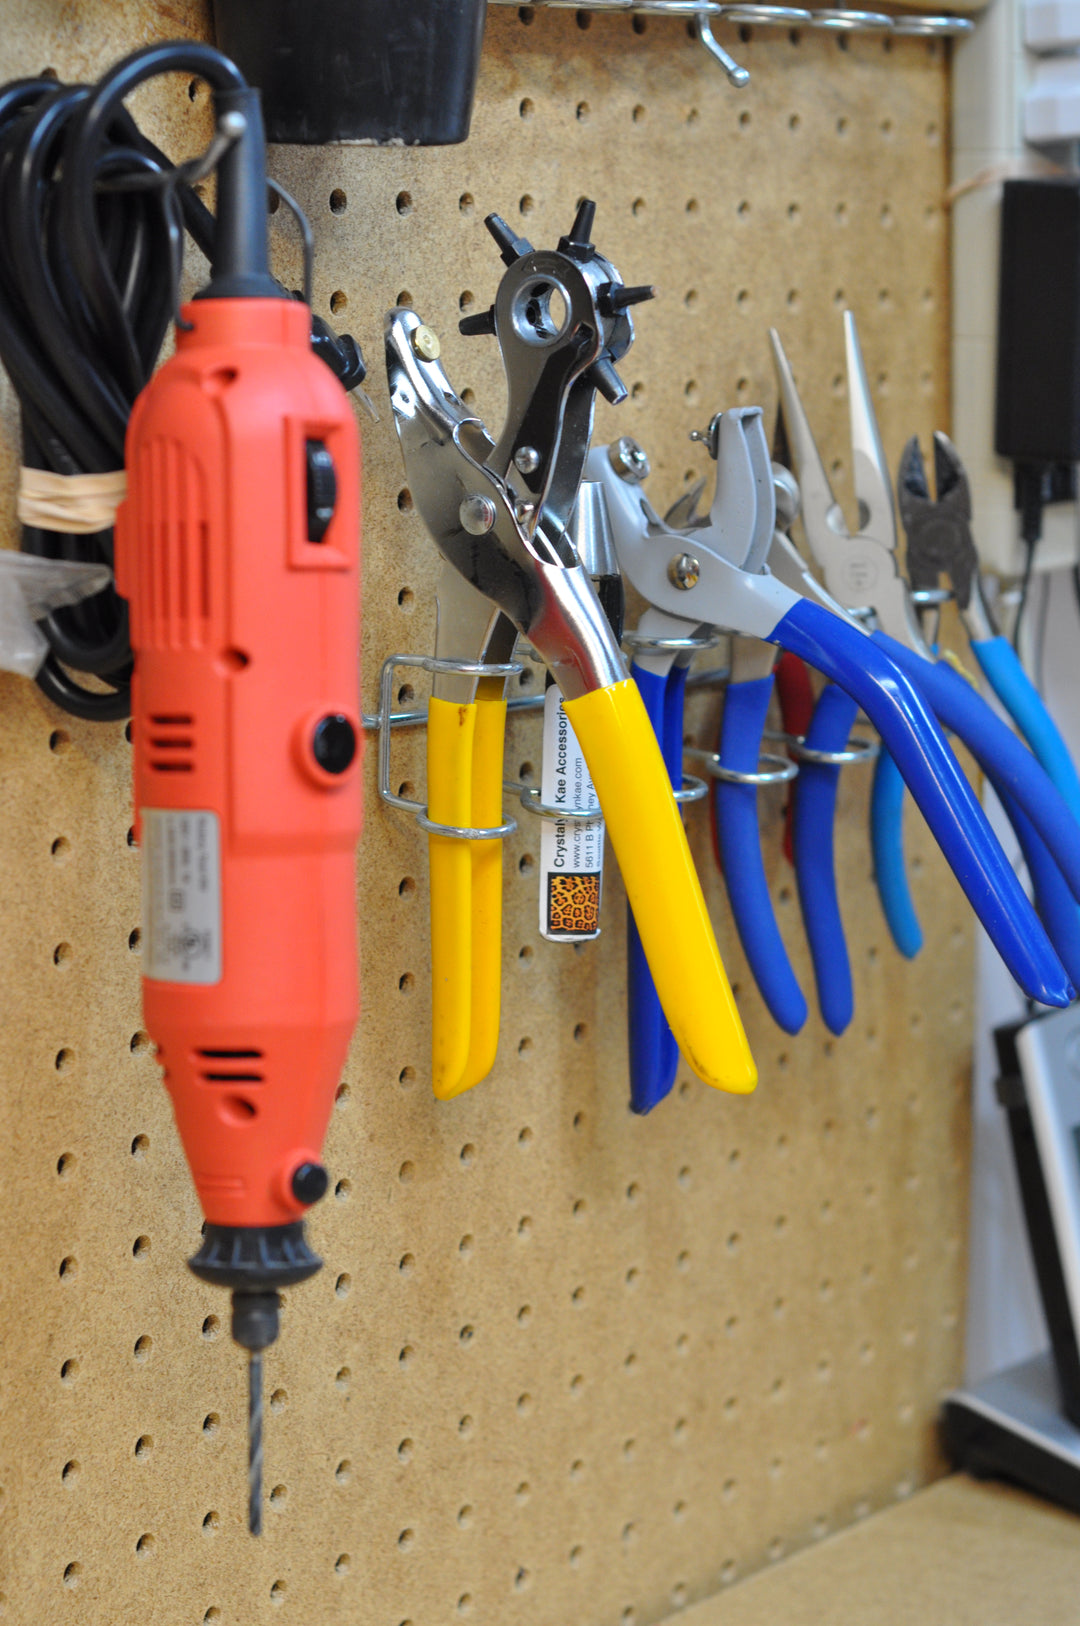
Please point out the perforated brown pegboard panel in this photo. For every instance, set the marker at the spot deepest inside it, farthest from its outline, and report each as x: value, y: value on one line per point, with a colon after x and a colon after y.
x: 562, y: 1365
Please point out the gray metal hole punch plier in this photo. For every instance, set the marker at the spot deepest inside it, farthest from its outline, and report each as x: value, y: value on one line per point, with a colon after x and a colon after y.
x: 498, y: 510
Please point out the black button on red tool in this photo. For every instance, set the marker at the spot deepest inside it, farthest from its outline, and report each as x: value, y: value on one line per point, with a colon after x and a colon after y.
x: 334, y: 743
x: 309, y: 1183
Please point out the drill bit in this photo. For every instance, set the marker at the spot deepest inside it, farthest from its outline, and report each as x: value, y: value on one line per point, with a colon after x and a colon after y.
x: 255, y: 1441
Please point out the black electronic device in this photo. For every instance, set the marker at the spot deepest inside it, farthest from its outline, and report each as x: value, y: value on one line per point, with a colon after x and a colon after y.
x: 1024, y: 1422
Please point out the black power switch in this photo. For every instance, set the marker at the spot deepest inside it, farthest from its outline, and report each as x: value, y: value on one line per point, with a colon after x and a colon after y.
x: 321, y: 489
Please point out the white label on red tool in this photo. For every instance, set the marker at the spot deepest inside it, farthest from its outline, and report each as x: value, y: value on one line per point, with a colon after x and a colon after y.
x: 571, y: 850
x: 181, y: 875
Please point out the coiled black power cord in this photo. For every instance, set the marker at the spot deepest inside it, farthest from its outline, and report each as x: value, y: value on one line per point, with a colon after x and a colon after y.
x: 92, y: 217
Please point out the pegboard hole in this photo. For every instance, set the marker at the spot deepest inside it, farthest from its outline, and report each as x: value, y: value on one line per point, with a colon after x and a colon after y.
x: 581, y: 112
x: 693, y: 207
x: 278, y: 1400
x: 583, y: 19
x: 140, y: 1248
x: 62, y: 955
x: 343, y: 1285
x: 144, y: 1445
x: 135, y: 940
x: 525, y: 953
x: 72, y: 1575
x: 526, y: 107
x: 465, y: 1427
x: 639, y: 24
x: 140, y: 1146
x: 277, y: 1592
x: 140, y: 1043
x: 61, y: 849
x: 343, y: 1471
x: 406, y: 1355
x: 143, y: 1346
x: 464, y: 1603
x: 339, y: 301
x: 525, y: 1136
x: 526, y: 864
x: 279, y: 1495
x: 341, y: 1564
x: 403, y: 203
x: 406, y: 1539
x: 59, y: 741
x: 69, y: 1268
x: 145, y: 1545
x: 211, y: 1327
x: 211, y: 1423
x: 405, y: 1451
x: 338, y: 201
x: 466, y: 203
x: 342, y: 1096
x: 65, y: 1164
x: 407, y: 1076
x: 522, y: 1579
x: 64, y: 1060
x: 342, y: 1190
x: 342, y: 1376
x: 405, y: 506
x: 406, y: 887
x: 406, y: 599
x: 69, y: 1471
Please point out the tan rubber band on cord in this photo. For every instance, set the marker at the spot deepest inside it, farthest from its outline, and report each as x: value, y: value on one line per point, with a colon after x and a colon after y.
x: 76, y: 503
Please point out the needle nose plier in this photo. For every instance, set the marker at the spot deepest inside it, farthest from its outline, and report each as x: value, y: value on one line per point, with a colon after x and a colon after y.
x: 499, y: 512
x: 861, y: 573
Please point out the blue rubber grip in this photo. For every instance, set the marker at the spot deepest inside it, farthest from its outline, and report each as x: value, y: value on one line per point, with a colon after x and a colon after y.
x: 1055, y: 903
x: 890, y: 873
x: 1002, y: 757
x: 813, y: 827
x: 1003, y: 671
x: 909, y: 731
x: 654, y: 1055
x: 745, y: 709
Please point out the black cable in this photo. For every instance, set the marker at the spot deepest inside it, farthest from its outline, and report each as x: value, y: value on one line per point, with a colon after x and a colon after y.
x: 1030, y: 486
x: 92, y: 222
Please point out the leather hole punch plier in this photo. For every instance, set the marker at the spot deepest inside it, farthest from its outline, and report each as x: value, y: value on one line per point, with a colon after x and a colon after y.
x: 698, y: 578
x: 861, y: 575
x: 499, y: 512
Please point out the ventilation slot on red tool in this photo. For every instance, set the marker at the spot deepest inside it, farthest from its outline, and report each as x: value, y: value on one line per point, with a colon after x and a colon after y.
x: 231, y: 1066
x: 171, y: 741
x: 172, y: 603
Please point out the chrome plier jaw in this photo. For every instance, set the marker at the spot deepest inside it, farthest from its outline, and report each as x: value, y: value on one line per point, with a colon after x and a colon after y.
x: 938, y: 530
x: 474, y: 516
x: 860, y: 567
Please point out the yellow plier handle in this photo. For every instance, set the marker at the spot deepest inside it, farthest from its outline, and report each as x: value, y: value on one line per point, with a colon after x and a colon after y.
x: 646, y: 831
x: 465, y: 763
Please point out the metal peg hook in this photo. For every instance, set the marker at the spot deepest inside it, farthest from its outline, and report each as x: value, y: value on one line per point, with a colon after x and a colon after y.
x: 703, y: 28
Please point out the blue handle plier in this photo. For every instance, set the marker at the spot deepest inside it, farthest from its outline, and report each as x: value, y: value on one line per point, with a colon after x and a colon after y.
x: 940, y: 544
x: 695, y: 581
x: 861, y: 573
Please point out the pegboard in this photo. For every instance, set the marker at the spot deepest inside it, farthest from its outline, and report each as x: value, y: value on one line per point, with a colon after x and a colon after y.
x: 562, y: 1364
